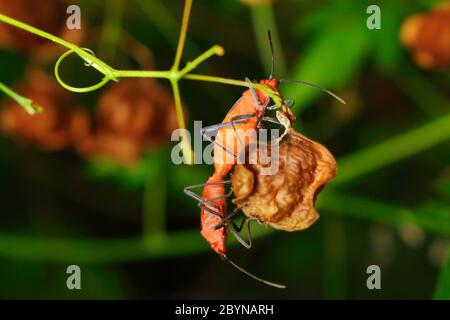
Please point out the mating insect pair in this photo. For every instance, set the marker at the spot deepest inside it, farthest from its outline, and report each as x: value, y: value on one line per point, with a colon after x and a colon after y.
x: 248, y: 113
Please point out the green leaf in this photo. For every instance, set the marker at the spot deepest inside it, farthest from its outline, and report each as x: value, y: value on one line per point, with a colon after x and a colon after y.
x: 442, y: 186
x: 330, y: 61
x: 387, y: 47
x: 393, y: 149
x: 433, y: 217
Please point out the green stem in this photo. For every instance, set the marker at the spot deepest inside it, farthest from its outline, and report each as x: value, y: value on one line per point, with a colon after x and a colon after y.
x: 86, y: 56
x: 113, y: 74
x: 183, y: 243
x: 188, y: 153
x: 215, y: 50
x: 165, y: 22
x: 188, y: 242
x: 174, y: 75
x: 183, y: 32
x: 233, y: 82
x: 29, y: 106
x: 142, y: 74
x: 195, y: 77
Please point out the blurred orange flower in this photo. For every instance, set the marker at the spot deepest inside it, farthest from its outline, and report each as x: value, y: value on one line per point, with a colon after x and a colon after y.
x: 427, y: 35
x: 56, y: 127
x: 131, y: 116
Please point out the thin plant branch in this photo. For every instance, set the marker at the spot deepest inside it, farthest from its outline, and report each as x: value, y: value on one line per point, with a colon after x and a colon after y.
x: 183, y: 32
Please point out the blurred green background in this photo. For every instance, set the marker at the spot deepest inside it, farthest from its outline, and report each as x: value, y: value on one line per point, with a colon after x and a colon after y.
x: 136, y: 235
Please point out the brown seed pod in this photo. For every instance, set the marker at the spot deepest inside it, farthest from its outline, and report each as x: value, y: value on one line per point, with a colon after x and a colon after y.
x: 284, y: 200
x: 427, y: 35
x: 60, y: 123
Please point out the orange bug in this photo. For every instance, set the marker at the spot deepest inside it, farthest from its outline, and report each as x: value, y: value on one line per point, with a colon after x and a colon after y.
x: 246, y: 114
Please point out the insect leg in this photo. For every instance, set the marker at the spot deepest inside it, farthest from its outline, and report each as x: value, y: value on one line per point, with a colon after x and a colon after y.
x: 239, y: 119
x: 289, y: 103
x: 228, y: 217
x: 253, y: 91
x: 255, y: 96
x: 262, y: 108
x: 238, y: 237
x: 214, y: 128
x: 229, y: 193
x: 273, y: 107
x: 195, y: 196
x: 239, y: 229
x: 233, y: 122
x: 216, y: 213
x: 272, y: 284
x: 272, y: 119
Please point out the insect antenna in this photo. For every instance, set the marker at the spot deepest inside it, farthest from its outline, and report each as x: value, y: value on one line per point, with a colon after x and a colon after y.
x: 272, y: 284
x: 315, y: 86
x: 272, y: 70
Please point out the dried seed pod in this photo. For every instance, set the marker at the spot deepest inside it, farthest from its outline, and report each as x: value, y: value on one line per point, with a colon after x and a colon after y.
x: 427, y: 35
x: 60, y: 123
x: 286, y: 199
x: 132, y: 116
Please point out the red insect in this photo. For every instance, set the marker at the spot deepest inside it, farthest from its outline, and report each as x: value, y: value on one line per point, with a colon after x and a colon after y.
x: 232, y: 137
